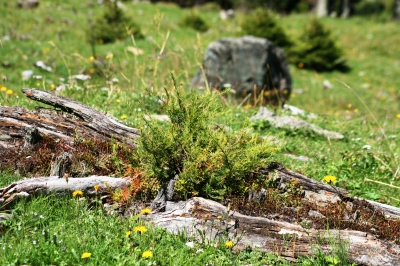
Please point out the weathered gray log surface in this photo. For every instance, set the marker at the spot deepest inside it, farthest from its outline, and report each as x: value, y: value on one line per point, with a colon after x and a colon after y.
x: 59, y: 186
x: 73, y: 120
x: 286, y: 239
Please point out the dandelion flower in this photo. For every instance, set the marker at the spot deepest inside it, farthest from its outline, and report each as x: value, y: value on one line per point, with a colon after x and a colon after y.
x: 398, y: 116
x: 52, y: 86
x: 228, y: 244
x: 123, y: 116
x: 9, y: 92
x: 86, y: 255
x: 140, y: 229
x: 219, y: 217
x: 77, y: 193
x: 330, y: 179
x: 147, y: 254
x: 128, y: 233
x: 145, y: 211
x: 91, y: 58
x: 2, y: 88
x: 96, y: 187
x: 118, y: 100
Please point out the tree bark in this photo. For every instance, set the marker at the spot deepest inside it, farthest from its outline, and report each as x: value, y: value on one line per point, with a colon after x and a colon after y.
x: 20, y: 127
x: 322, y: 8
x: 60, y: 187
x: 345, y: 9
x: 286, y: 239
x: 396, y: 10
x: 289, y: 239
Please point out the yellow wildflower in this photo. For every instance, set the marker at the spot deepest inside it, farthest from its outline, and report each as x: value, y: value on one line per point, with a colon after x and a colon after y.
x: 109, y: 56
x: 219, y: 217
x: 247, y: 106
x: 77, y: 193
x: 2, y: 88
x: 228, y: 244
x: 86, y: 255
x: 145, y: 211
x: 9, y: 92
x: 118, y: 100
x: 128, y: 233
x: 356, y: 110
x: 330, y: 179
x: 140, y: 229
x: 147, y: 254
x: 123, y: 116
x: 91, y: 58
x: 398, y: 116
x: 96, y: 187
x: 92, y: 70
x: 38, y: 84
x: 52, y: 86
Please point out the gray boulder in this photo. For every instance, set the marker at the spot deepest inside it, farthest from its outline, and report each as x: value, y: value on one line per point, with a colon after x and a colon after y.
x: 245, y: 64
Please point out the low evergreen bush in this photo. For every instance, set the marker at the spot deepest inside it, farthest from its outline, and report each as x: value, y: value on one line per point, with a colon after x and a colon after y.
x: 262, y: 23
x: 209, y: 160
x: 195, y: 22
x: 369, y: 7
x: 113, y: 25
x: 317, y: 50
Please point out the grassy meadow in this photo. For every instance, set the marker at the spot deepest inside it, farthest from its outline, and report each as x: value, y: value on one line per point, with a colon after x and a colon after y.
x: 363, y: 105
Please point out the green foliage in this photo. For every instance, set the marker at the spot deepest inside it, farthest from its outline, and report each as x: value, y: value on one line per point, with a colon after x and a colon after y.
x: 210, y: 160
x: 262, y: 23
x: 317, y: 49
x: 195, y: 22
x: 369, y: 7
x: 57, y: 231
x: 338, y: 256
x: 113, y: 25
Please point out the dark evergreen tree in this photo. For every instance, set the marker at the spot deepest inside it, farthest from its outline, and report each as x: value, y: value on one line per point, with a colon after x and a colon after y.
x: 317, y: 50
x: 262, y: 23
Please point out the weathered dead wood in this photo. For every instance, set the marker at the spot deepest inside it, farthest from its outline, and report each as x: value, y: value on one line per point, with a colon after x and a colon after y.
x: 285, y: 175
x: 73, y: 120
x: 59, y: 186
x: 286, y: 239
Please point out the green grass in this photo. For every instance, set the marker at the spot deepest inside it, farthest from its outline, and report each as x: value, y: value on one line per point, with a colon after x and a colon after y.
x: 366, y: 111
x: 50, y: 230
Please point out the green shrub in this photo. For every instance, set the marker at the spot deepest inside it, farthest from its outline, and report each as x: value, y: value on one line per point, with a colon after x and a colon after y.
x: 210, y: 161
x: 369, y: 7
x: 195, y: 22
x: 317, y: 50
x: 262, y: 23
x: 113, y: 25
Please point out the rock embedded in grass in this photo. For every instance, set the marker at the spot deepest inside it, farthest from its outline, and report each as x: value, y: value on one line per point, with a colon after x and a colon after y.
x: 248, y: 64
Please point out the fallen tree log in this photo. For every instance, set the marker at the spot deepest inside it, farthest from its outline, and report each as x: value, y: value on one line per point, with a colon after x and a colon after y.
x: 20, y: 127
x: 59, y: 186
x: 279, y: 232
x: 286, y: 239
x: 289, y: 238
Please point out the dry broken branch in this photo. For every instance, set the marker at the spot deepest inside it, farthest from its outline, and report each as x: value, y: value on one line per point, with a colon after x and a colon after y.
x: 20, y: 127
